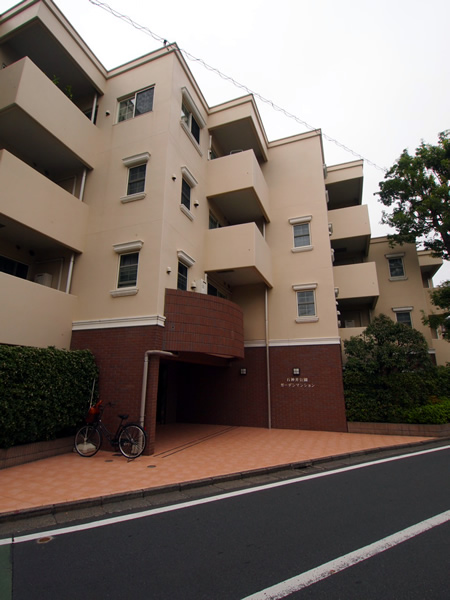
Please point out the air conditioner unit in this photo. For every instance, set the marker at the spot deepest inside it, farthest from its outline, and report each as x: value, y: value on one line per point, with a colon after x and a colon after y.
x: 44, y: 279
x: 202, y: 287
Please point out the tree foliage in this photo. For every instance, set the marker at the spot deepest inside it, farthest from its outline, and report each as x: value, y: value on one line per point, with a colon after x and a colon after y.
x: 388, y: 371
x: 440, y: 297
x: 416, y: 189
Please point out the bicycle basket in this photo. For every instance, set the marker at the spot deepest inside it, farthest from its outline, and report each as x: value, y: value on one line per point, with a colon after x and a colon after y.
x: 94, y: 413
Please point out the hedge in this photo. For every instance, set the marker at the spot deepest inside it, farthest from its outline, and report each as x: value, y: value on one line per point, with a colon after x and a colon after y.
x: 44, y: 393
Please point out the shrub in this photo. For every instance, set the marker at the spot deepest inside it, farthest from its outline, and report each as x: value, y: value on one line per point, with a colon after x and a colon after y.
x: 43, y: 392
x: 436, y: 413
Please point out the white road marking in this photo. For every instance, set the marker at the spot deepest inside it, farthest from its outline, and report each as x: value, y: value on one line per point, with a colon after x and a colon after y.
x: 289, y: 586
x: 164, y: 509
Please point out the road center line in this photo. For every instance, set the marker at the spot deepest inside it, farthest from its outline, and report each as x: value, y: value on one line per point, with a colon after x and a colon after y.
x: 163, y: 509
x: 294, y: 584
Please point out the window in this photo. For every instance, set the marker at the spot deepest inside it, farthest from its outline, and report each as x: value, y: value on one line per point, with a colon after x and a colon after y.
x: 128, y: 270
x: 137, y: 171
x: 396, y: 268
x: 12, y: 267
x: 306, y: 303
x: 301, y: 235
x: 137, y: 104
x: 191, y: 119
x: 213, y: 222
x: 136, y: 179
x: 188, y: 118
x: 186, y: 194
x: 403, y: 315
x: 184, y: 262
x: 301, y: 228
x: 187, y: 183
x: 182, y: 280
x: 214, y: 291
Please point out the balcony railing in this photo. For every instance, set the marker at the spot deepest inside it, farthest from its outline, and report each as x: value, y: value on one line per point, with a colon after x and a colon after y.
x: 239, y: 254
x: 238, y: 188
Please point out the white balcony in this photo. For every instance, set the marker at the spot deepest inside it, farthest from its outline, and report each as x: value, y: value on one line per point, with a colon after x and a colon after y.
x: 39, y: 123
x: 239, y: 254
x: 357, y: 283
x: 30, y: 200
x: 237, y: 186
x: 33, y: 314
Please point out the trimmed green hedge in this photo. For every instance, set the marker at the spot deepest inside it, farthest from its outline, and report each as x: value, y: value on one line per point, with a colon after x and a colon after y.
x: 44, y: 393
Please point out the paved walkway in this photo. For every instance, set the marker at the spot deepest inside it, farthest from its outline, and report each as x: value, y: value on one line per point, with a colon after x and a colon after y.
x: 184, y: 453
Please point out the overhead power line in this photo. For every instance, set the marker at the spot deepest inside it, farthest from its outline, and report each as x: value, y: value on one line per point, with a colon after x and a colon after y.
x: 204, y: 64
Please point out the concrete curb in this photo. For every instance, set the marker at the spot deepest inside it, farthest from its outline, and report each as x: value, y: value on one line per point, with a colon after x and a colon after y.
x: 104, y: 501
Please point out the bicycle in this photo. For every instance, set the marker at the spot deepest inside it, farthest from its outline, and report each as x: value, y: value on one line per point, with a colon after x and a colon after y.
x: 129, y: 438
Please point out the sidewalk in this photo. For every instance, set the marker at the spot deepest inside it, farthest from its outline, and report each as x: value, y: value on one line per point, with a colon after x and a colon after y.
x: 184, y: 454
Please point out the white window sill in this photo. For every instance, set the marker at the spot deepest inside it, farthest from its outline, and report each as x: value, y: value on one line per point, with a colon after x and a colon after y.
x: 403, y: 278
x: 133, y: 197
x: 130, y: 291
x: 306, y: 319
x: 302, y: 249
x: 186, y: 212
x: 191, y: 137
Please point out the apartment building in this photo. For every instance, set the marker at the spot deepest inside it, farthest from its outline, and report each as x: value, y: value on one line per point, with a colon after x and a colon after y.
x: 211, y: 271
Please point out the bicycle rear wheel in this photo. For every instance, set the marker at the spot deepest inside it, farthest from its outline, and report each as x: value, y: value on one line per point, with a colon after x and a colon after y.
x: 132, y: 441
x: 88, y: 440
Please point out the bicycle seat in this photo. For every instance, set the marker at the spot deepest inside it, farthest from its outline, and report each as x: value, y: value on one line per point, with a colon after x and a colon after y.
x: 123, y: 417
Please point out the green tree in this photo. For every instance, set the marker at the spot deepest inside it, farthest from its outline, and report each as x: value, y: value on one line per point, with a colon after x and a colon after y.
x: 416, y: 189
x: 388, y: 371
x: 440, y: 297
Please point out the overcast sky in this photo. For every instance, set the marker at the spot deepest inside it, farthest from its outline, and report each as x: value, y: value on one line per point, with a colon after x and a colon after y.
x: 375, y: 76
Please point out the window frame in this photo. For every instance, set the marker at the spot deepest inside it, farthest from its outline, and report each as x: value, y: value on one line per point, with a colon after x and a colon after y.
x: 133, y: 98
x: 186, y: 262
x: 126, y: 268
x: 191, y: 119
x: 133, y: 162
x: 396, y: 257
x: 126, y: 249
x: 404, y: 310
x: 309, y: 288
x: 301, y: 221
x: 187, y: 179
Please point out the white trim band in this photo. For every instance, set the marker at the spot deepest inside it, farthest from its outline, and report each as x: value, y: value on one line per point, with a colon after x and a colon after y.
x: 120, y: 322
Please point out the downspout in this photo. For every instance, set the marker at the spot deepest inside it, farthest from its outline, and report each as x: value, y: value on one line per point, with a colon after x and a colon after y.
x: 269, y: 401
x: 70, y: 273
x: 145, y: 379
x: 83, y: 183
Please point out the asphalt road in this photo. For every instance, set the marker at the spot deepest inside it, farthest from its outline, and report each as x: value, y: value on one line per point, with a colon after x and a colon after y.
x: 236, y: 545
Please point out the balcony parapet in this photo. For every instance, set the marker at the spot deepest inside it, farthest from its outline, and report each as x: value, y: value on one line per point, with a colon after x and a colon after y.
x: 239, y: 254
x: 236, y: 184
x: 34, y: 315
x: 358, y: 281
x: 29, y: 198
x: 40, y: 122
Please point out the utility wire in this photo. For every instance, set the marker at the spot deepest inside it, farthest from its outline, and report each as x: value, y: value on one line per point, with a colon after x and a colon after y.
x: 200, y: 61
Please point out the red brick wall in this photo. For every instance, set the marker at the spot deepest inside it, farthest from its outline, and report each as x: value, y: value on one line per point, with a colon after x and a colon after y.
x: 119, y: 354
x: 313, y: 400
x: 202, y: 323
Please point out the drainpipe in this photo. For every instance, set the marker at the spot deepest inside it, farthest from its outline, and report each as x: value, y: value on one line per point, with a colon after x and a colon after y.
x: 83, y: 183
x: 145, y: 378
x: 69, y: 274
x: 269, y: 402
x: 94, y: 107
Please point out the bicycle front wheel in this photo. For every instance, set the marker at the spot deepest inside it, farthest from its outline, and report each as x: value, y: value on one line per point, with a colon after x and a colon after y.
x: 88, y: 440
x: 132, y: 441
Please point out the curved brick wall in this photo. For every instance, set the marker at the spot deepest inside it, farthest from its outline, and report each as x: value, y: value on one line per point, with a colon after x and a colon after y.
x: 201, y: 323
